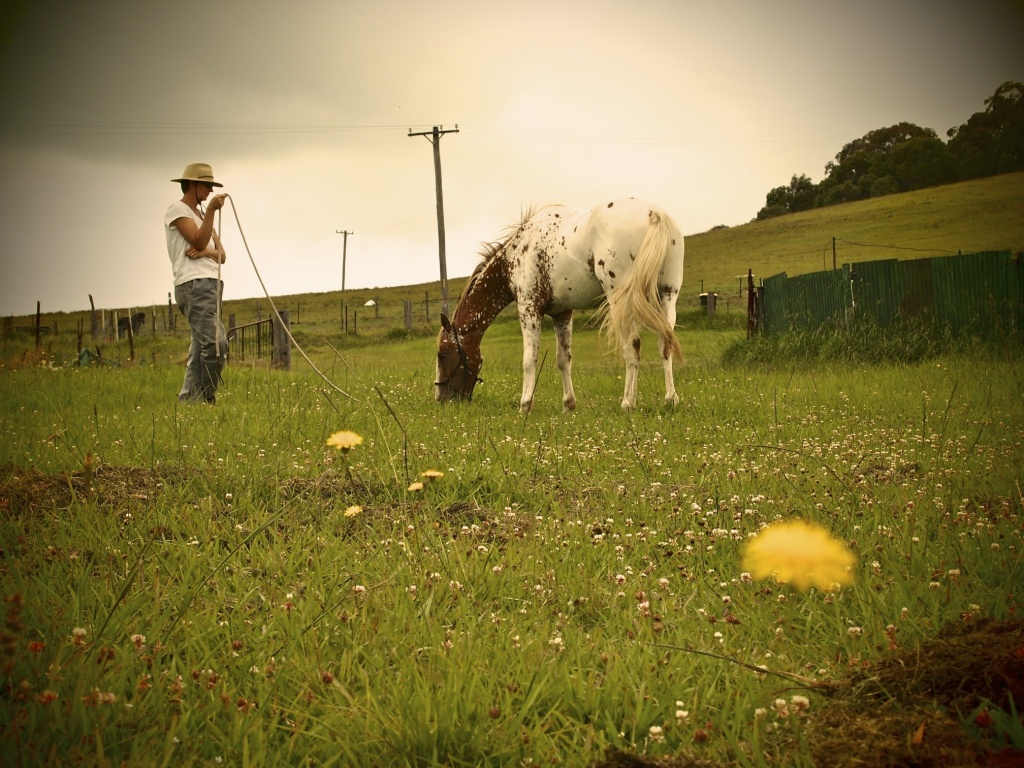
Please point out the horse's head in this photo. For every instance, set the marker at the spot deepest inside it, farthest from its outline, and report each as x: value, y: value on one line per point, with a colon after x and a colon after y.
x: 458, y: 363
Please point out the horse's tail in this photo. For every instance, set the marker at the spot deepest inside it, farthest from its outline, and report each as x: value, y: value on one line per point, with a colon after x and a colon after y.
x: 636, y: 301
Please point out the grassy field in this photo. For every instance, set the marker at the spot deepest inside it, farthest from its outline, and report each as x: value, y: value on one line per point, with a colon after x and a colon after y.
x: 219, y: 586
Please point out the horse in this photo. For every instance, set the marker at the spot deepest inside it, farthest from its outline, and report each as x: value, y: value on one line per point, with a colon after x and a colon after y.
x: 625, y: 256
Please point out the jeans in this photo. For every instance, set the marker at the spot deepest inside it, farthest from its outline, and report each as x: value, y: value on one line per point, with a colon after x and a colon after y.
x: 208, y: 349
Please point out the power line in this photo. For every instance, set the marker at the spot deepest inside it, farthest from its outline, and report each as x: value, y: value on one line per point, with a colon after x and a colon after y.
x: 123, y: 127
x: 895, y: 247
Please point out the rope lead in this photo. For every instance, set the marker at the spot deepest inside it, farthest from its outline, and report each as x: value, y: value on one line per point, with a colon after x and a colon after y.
x: 273, y: 306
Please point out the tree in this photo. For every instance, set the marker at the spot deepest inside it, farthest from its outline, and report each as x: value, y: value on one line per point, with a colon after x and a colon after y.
x: 798, y: 196
x: 868, y: 158
x: 919, y: 163
x: 992, y: 141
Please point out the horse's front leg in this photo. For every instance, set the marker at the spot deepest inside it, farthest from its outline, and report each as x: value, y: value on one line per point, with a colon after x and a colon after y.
x: 631, y: 354
x: 563, y: 337
x: 531, y: 343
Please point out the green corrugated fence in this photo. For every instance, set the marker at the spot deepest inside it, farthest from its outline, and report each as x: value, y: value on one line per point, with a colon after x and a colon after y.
x: 977, y: 293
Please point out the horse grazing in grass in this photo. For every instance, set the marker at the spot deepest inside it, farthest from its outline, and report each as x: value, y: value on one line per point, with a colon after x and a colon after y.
x: 559, y: 260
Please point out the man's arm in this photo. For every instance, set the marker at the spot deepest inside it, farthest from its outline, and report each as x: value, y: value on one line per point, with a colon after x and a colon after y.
x: 199, y: 237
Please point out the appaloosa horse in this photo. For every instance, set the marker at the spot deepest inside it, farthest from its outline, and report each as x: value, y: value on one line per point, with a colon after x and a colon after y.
x: 558, y: 260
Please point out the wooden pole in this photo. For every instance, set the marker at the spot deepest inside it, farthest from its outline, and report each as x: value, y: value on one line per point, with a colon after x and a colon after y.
x: 94, y: 325
x: 434, y: 137
x: 131, y: 336
x: 751, y: 318
x: 281, y: 354
x: 344, y: 253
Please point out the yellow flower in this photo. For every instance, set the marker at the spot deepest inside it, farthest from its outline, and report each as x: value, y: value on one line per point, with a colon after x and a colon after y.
x: 354, y: 510
x: 417, y: 486
x: 431, y: 474
x: 800, y: 554
x: 344, y: 440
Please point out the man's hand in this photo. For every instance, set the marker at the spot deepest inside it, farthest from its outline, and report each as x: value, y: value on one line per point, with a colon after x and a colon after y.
x: 213, y: 254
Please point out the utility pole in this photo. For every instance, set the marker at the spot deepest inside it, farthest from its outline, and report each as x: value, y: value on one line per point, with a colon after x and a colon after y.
x: 434, y: 137
x: 344, y: 254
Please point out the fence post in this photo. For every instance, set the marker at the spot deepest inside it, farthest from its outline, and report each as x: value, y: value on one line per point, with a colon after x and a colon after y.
x: 281, y: 356
x: 751, y: 305
x: 94, y: 325
x: 712, y: 298
x: 407, y: 306
x: 131, y: 336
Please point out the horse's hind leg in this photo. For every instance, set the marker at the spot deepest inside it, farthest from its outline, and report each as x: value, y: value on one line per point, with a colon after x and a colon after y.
x: 563, y: 337
x: 631, y: 354
x: 669, y: 305
x: 671, y: 398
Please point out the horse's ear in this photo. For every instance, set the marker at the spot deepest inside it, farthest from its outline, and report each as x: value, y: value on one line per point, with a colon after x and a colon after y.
x: 445, y: 322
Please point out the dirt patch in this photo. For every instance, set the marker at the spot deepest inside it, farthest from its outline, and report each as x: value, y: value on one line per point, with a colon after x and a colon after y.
x: 947, y: 702
x: 912, y: 709
x: 25, y: 491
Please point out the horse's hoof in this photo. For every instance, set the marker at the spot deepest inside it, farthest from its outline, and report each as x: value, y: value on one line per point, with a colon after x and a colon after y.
x: 628, y: 405
x: 672, y: 401
x: 569, y: 405
x: 526, y: 407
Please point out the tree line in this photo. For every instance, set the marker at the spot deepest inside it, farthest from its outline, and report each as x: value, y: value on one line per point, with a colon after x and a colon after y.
x: 906, y: 157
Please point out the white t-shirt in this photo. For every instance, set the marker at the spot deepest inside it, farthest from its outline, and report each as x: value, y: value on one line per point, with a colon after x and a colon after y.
x: 184, y: 268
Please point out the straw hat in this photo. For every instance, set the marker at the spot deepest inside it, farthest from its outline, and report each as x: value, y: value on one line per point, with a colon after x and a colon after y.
x: 199, y: 172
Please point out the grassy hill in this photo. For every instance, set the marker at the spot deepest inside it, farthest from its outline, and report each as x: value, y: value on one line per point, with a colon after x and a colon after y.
x: 978, y: 215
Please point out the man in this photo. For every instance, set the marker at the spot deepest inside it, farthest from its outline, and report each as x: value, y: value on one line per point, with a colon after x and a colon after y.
x: 196, y: 253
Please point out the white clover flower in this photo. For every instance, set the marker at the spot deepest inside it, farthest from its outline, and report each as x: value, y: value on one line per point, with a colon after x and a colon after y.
x: 800, y: 703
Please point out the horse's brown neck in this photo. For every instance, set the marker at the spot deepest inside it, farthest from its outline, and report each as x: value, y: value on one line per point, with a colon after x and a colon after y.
x: 486, y: 296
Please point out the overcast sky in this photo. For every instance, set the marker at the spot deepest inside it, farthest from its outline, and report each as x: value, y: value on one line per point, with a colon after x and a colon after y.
x: 303, y: 110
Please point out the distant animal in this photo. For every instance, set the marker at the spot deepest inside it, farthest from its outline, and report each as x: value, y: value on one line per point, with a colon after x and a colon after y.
x: 135, y: 322
x: 628, y: 252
